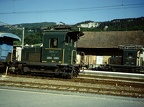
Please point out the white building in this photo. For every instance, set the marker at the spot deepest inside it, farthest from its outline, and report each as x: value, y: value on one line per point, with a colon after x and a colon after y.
x: 89, y: 25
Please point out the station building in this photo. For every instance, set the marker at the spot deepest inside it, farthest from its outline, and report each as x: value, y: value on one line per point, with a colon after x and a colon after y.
x: 99, y: 46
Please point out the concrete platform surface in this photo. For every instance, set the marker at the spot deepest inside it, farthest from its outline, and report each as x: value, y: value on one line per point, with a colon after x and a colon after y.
x: 23, y: 97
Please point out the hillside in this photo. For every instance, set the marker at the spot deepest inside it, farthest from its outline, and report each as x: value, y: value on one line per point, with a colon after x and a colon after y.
x: 129, y: 24
x: 33, y: 31
x: 36, y: 25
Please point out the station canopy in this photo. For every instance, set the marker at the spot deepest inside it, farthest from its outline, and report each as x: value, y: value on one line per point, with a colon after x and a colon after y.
x: 10, y: 35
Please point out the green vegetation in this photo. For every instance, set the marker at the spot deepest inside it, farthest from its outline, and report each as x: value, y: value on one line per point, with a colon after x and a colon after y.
x: 129, y: 24
x: 32, y: 32
x: 125, y: 24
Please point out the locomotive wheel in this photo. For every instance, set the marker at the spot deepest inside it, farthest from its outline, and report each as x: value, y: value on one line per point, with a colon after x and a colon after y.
x: 74, y: 73
x: 70, y: 75
x: 77, y: 70
x: 26, y: 69
x: 57, y: 72
x: 114, y: 69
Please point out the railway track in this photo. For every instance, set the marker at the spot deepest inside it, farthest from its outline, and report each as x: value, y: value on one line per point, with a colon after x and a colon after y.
x: 113, y: 80
x: 84, y: 83
x: 93, y: 79
x: 74, y: 88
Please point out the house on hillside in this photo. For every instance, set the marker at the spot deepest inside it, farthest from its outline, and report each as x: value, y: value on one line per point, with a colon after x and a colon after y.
x: 89, y: 25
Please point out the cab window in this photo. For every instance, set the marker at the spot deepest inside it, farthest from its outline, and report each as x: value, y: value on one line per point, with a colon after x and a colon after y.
x: 68, y: 41
x: 53, y: 43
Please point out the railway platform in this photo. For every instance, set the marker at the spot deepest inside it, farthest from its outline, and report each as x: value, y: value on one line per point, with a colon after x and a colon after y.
x: 110, y: 73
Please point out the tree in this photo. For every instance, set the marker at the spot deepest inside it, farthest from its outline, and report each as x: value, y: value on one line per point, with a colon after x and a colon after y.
x: 33, y: 38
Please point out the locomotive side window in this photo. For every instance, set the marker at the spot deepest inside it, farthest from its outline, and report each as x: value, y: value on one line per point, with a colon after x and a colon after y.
x: 67, y: 39
x: 75, y: 44
x: 130, y: 55
x: 53, y: 43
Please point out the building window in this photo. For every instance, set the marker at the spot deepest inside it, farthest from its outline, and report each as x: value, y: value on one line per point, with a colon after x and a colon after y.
x: 53, y: 43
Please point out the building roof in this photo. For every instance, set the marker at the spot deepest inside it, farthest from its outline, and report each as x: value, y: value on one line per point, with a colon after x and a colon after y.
x: 110, y: 39
x: 10, y: 35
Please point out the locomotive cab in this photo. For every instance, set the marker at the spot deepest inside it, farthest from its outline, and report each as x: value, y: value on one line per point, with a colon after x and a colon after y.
x: 59, y: 47
x: 131, y: 54
x: 130, y: 57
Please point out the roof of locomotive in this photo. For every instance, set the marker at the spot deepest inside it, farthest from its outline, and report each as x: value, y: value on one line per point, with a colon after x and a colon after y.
x: 64, y: 30
x: 10, y: 35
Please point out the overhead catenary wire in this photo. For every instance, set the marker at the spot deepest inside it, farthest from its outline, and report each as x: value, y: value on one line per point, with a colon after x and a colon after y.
x: 110, y: 7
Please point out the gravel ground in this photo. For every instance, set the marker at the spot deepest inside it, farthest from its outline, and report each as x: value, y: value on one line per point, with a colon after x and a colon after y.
x: 67, y: 82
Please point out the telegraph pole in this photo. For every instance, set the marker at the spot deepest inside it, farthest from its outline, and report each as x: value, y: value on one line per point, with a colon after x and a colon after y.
x: 23, y: 37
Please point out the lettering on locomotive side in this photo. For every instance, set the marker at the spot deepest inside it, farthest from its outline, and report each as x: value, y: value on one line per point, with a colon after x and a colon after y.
x: 53, y: 51
x: 49, y: 57
x: 56, y: 58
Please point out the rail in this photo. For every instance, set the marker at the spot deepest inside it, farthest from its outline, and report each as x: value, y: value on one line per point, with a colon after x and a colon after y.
x: 84, y: 84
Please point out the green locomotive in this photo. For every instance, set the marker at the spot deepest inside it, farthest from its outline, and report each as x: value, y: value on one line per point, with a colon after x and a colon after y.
x: 56, y: 54
x: 129, y: 61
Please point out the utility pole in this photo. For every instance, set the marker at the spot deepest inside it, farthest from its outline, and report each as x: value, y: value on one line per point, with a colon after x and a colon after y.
x: 23, y: 37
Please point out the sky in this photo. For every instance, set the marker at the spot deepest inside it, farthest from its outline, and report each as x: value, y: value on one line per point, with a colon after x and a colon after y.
x: 68, y: 11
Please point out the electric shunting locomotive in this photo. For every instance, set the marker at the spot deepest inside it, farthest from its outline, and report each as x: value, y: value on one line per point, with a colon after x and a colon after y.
x: 129, y: 61
x: 55, y: 55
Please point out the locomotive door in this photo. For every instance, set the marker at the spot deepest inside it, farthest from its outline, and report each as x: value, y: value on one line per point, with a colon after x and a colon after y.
x: 73, y: 56
x: 67, y: 55
x: 70, y: 50
x: 70, y: 55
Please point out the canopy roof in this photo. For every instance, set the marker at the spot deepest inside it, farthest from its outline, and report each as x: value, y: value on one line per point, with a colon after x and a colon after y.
x: 110, y: 39
x: 10, y: 35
